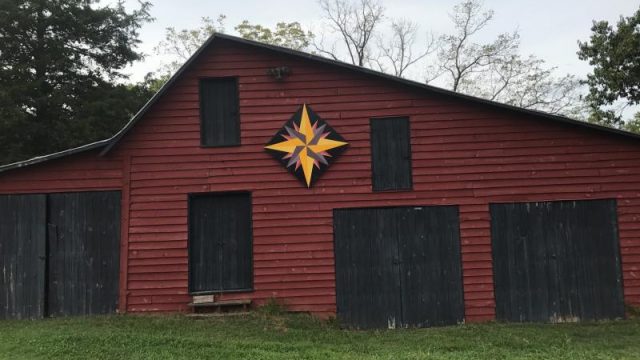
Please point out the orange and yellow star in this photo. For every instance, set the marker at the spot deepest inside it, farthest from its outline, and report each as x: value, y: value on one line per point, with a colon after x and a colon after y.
x: 306, y: 145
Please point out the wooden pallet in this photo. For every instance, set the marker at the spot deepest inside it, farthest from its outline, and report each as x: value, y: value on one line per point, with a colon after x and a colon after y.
x: 217, y: 314
x: 221, y: 306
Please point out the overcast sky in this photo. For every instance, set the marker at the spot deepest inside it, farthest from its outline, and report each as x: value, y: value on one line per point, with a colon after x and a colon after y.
x: 549, y: 29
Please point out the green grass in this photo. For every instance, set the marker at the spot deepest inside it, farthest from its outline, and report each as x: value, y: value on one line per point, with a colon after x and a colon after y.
x: 273, y: 336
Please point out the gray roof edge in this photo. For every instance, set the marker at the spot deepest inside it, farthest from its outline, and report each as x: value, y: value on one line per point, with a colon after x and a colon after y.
x: 56, y: 155
x: 115, y: 138
x: 431, y: 88
x: 417, y: 85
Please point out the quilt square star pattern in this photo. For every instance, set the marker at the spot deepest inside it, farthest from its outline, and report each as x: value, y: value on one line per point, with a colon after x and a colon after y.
x: 306, y: 145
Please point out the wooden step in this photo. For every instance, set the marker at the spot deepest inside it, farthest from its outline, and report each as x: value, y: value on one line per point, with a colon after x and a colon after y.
x: 222, y: 303
x: 217, y: 314
x: 220, y: 306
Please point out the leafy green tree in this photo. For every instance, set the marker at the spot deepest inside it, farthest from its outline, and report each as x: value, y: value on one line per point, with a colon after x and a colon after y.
x: 116, y: 103
x: 59, y: 62
x: 290, y: 35
x: 633, y: 125
x: 105, y: 110
x: 179, y: 45
x: 614, y: 54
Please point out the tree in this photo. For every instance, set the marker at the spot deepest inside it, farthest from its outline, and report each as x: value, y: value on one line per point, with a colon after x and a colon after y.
x: 633, y: 125
x: 614, y: 54
x: 355, y: 24
x: 459, y: 58
x: 398, y: 51
x: 116, y: 103
x: 179, y: 45
x: 106, y: 109
x: 496, y: 71
x: 290, y: 35
x: 13, y: 126
x: 57, y: 59
x: 527, y: 83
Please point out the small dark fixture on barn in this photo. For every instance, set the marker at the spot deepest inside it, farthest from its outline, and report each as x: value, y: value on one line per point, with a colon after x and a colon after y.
x: 279, y: 73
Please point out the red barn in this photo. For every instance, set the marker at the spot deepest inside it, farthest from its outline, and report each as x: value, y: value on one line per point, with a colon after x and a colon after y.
x: 259, y: 172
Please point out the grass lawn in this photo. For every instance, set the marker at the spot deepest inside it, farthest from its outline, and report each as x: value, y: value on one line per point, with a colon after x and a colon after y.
x: 264, y: 336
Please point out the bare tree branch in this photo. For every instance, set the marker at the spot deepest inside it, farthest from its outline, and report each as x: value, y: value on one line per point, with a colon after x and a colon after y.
x: 459, y: 56
x: 355, y: 23
x: 398, y: 50
x: 320, y: 47
x: 496, y: 71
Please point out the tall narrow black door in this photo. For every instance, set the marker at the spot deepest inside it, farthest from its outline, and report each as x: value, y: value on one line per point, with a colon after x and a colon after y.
x: 220, y: 242
x: 22, y: 256
x: 84, y: 243
x: 367, y: 267
x: 556, y: 261
x: 398, y: 267
x: 430, y: 268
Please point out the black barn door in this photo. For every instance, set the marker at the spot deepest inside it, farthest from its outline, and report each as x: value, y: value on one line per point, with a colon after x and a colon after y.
x: 367, y: 267
x: 398, y: 267
x: 22, y: 256
x: 84, y: 243
x: 430, y: 267
x: 220, y: 238
x: 556, y: 261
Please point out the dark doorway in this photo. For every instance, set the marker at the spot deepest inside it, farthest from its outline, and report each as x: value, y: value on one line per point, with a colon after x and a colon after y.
x: 59, y: 254
x: 398, y: 267
x: 220, y: 242
x: 84, y: 248
x: 23, y: 236
x: 556, y: 261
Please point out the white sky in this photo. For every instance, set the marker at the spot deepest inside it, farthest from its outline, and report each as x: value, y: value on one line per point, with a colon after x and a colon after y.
x: 549, y: 29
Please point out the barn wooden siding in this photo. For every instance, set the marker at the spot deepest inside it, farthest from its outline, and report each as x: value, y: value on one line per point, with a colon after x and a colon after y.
x: 81, y: 172
x: 462, y: 154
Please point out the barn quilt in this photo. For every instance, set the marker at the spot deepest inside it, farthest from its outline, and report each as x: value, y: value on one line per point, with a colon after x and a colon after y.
x: 306, y: 145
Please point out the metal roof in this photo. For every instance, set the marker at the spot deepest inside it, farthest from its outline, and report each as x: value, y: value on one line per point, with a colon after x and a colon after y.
x: 59, y: 154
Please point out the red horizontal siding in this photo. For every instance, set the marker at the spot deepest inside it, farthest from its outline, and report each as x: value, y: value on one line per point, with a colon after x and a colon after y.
x: 80, y: 172
x: 463, y: 154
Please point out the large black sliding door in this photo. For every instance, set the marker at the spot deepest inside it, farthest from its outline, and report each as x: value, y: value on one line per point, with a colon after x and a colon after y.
x: 84, y: 235
x: 556, y: 261
x: 59, y: 254
x: 220, y: 242
x: 398, y: 267
x: 22, y: 256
